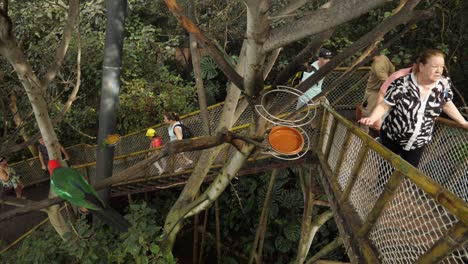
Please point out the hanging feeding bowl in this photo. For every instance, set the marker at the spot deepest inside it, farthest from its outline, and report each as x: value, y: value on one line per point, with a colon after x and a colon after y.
x: 288, y: 143
x: 286, y: 140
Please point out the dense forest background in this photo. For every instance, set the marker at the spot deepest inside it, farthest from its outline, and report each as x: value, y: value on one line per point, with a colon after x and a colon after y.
x: 156, y: 76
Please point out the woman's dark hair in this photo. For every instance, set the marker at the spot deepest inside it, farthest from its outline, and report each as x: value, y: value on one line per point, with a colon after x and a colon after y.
x: 426, y: 55
x: 2, y: 158
x: 171, y: 116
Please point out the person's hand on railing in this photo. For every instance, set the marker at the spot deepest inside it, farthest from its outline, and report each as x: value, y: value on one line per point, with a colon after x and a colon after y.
x: 465, y: 125
x: 367, y: 121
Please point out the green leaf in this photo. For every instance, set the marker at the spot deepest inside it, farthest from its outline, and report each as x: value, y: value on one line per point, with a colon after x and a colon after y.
x: 283, y: 244
x: 154, y: 249
x: 292, y: 232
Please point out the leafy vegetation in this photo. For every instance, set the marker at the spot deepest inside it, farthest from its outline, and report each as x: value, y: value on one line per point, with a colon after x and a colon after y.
x: 96, y: 243
x: 240, y: 209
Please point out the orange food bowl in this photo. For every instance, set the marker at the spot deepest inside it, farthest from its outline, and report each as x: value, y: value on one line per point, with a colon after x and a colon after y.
x: 286, y: 140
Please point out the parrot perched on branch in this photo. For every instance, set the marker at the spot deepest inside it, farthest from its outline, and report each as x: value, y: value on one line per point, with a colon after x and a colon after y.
x: 69, y: 185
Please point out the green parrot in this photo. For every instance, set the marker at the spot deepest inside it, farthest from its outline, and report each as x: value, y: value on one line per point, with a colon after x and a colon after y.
x: 70, y: 185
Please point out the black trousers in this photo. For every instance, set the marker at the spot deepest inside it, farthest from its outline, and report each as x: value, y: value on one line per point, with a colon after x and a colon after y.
x: 412, y: 156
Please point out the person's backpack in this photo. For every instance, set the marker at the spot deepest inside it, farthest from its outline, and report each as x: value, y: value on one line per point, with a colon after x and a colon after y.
x: 186, y: 132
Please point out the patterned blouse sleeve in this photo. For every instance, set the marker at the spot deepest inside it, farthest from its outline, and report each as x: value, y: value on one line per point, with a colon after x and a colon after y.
x: 448, y: 93
x: 394, y: 92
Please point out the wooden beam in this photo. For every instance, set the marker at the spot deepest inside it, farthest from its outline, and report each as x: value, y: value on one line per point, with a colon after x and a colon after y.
x: 359, y: 250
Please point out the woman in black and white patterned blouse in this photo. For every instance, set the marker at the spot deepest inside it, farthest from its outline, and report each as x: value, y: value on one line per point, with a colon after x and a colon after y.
x: 413, y: 102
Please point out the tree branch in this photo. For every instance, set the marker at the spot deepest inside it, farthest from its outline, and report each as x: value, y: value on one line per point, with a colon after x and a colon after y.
x: 319, y: 21
x: 291, y: 7
x: 337, y: 242
x: 73, y: 11
x: 216, y: 53
x: 6, y: 24
x: 271, y: 62
x: 301, y: 58
x: 256, y: 34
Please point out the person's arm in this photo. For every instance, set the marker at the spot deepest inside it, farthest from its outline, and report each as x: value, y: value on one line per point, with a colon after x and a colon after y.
x: 41, y: 159
x: 451, y: 110
x: 3, y: 175
x: 64, y: 153
x: 378, y: 123
x: 381, y: 70
x: 178, y: 132
x: 376, y: 115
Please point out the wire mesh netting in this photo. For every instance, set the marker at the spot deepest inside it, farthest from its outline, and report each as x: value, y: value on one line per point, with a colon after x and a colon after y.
x: 337, y: 146
x: 409, y: 225
x: 445, y: 159
x: 374, y: 173
x: 411, y: 221
x: 350, y: 156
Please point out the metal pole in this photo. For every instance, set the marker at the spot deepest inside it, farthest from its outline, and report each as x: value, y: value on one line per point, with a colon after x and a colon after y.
x: 116, y: 11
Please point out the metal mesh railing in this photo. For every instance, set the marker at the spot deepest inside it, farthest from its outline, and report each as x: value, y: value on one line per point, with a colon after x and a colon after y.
x: 410, y: 225
x: 400, y: 211
x: 31, y: 173
x: 445, y: 159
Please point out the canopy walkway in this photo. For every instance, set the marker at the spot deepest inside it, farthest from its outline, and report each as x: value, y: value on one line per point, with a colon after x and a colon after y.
x: 386, y: 210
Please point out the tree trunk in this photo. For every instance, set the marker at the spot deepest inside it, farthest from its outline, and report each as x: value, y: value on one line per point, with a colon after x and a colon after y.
x: 35, y: 91
x: 35, y: 94
x: 19, y: 121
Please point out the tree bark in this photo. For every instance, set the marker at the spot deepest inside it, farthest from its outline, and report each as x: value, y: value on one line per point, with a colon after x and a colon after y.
x: 19, y: 121
x: 256, y: 34
x: 197, y: 73
x: 320, y: 20
x: 337, y: 242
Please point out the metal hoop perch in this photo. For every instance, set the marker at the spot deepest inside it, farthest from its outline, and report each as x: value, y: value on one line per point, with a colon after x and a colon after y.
x: 304, y: 119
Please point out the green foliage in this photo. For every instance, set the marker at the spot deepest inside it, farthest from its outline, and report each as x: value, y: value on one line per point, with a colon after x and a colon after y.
x: 41, y: 247
x: 97, y: 244
x: 149, y: 83
x: 208, y: 68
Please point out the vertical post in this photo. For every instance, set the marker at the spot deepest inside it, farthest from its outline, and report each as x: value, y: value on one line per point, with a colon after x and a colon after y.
x: 331, y: 138
x: 196, y: 221
x: 113, y: 46
x: 202, y: 242
x: 322, y: 128
x: 354, y: 172
x: 393, y: 183
x: 218, y: 233
x: 346, y: 144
